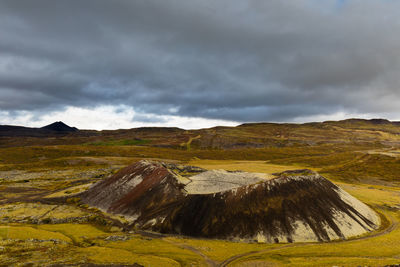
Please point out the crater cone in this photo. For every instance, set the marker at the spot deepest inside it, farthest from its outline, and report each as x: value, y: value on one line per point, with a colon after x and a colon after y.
x: 293, y: 206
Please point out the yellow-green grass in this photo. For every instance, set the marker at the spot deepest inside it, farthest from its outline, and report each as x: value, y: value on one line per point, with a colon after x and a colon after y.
x: 220, y: 250
x: 123, y: 142
x: 368, y: 167
x: 21, y: 211
x: 123, y: 219
x: 16, y: 157
x: 105, y: 255
x: 49, y: 180
x: 64, y: 212
x: 159, y: 248
x: 27, y: 232
x: 148, y: 252
x: 349, y: 166
x: 373, y: 194
x: 77, y: 232
x: 33, y: 253
x: 24, y: 211
x: 346, y: 162
x: 70, y: 191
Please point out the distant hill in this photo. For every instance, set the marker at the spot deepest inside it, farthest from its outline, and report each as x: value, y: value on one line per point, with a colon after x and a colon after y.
x: 59, y: 126
x: 46, y: 131
x: 15, y: 131
x: 245, y: 136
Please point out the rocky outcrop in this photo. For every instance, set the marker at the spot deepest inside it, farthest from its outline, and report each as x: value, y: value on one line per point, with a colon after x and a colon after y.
x: 299, y: 206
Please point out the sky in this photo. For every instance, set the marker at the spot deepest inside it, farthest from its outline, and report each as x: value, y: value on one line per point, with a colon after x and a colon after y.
x: 100, y: 64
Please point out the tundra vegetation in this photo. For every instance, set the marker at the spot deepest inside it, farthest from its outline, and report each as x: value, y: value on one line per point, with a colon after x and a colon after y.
x: 43, y: 220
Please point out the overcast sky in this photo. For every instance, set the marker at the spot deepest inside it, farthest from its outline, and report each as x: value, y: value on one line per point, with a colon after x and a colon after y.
x: 105, y: 64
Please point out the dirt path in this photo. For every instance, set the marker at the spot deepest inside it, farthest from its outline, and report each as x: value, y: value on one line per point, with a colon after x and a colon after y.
x: 209, y: 261
x: 393, y: 225
x: 391, y: 152
x: 236, y: 257
x: 189, y: 142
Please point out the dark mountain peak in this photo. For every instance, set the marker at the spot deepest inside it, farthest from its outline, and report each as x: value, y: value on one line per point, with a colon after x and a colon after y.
x: 59, y: 126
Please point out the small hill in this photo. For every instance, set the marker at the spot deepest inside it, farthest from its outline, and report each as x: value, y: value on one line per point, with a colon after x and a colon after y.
x: 59, y: 126
x: 56, y: 128
x: 295, y: 206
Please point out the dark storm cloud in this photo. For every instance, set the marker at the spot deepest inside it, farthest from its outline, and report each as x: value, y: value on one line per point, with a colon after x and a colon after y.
x: 236, y: 60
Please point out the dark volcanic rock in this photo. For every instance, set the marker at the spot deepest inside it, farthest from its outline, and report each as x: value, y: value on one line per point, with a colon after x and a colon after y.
x: 59, y: 126
x: 295, y: 206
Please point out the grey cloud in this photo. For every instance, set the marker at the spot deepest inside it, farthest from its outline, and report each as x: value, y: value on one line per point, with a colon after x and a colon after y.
x: 148, y: 118
x: 237, y: 60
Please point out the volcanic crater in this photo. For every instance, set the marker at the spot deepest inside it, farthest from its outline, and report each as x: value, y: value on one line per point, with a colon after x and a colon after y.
x: 292, y: 206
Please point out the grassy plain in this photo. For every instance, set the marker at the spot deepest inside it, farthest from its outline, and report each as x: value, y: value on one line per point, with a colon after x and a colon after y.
x: 41, y: 222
